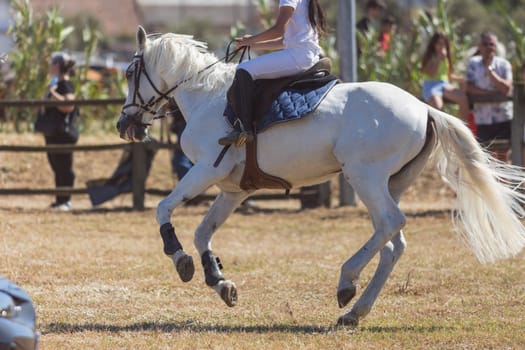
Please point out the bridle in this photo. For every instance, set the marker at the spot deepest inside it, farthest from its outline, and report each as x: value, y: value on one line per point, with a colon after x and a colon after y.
x: 140, y: 68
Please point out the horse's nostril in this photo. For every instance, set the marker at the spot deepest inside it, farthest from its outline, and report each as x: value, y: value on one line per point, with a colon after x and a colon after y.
x: 118, y: 126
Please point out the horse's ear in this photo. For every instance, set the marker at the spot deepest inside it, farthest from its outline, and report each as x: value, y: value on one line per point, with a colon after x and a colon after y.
x: 141, y: 37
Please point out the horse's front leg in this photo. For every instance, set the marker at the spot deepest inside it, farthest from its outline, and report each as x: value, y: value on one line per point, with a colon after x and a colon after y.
x: 222, y: 207
x: 197, y: 180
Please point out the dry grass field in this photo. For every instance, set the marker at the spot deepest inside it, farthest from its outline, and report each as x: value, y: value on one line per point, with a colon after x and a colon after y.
x: 99, y: 279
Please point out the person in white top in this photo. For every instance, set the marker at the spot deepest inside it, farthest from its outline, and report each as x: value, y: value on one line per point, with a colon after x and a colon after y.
x: 295, y: 36
x: 491, y: 74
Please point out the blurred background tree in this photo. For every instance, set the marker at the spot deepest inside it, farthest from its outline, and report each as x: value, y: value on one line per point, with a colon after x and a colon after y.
x: 463, y: 20
x: 36, y: 38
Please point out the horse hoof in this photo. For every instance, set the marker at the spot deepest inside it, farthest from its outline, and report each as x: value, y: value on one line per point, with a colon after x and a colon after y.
x: 185, y: 267
x: 345, y: 295
x: 229, y: 293
x: 348, y: 320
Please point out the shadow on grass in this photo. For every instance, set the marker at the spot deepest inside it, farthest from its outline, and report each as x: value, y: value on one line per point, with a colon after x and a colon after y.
x: 183, y: 326
x: 189, y: 326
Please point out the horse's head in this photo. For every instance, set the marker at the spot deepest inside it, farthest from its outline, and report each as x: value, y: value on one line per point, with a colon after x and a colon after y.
x: 144, y: 95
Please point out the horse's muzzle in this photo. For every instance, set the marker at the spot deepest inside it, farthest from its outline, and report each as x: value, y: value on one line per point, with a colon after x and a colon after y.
x: 123, y: 125
x: 130, y: 130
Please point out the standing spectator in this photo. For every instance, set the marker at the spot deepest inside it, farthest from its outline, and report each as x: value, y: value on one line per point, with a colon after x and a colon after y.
x: 438, y: 73
x: 491, y: 74
x: 374, y: 10
x: 58, y: 124
x: 180, y: 162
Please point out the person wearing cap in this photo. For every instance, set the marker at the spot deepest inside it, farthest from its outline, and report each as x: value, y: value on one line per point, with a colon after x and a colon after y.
x: 59, y: 125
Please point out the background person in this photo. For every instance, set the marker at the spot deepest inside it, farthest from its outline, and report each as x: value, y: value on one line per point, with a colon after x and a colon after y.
x: 385, y: 33
x: 374, y: 10
x: 487, y: 74
x: 180, y: 162
x: 58, y: 124
x: 438, y: 73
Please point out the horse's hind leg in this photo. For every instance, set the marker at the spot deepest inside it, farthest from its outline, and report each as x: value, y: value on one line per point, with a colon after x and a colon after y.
x: 221, y: 208
x: 389, y: 255
x: 392, y: 250
x: 387, y: 218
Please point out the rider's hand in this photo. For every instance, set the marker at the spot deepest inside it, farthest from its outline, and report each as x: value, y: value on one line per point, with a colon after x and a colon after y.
x: 243, y: 41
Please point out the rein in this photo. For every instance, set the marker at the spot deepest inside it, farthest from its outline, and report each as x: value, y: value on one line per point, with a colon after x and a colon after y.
x: 140, y: 68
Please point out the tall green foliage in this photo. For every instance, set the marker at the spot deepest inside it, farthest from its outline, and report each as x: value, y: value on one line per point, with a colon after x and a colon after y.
x: 517, y: 49
x: 35, y: 40
x: 400, y: 65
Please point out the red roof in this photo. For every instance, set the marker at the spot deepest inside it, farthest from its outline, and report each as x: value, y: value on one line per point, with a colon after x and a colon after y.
x: 115, y: 16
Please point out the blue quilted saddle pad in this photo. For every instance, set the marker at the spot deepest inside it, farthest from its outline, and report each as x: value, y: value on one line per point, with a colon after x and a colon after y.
x: 290, y: 104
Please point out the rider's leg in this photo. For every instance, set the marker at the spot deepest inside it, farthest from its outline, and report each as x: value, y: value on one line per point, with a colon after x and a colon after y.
x: 243, y: 91
x: 269, y: 66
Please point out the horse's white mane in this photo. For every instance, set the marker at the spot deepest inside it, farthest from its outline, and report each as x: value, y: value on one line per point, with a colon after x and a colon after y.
x: 178, y: 57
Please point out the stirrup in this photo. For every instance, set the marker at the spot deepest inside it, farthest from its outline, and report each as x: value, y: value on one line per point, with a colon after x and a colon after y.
x: 244, y: 137
x: 237, y: 138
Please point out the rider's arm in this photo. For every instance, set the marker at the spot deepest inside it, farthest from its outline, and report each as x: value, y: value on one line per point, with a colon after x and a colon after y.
x: 269, y: 45
x: 276, y: 32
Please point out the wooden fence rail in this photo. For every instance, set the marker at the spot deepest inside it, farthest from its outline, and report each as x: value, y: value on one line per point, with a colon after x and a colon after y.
x: 138, y: 176
x: 138, y: 151
x: 50, y: 103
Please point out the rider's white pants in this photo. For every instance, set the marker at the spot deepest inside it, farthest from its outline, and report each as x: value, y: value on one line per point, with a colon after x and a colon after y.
x: 280, y: 63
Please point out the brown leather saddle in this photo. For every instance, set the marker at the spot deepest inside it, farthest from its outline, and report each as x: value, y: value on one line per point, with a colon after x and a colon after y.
x: 267, y: 90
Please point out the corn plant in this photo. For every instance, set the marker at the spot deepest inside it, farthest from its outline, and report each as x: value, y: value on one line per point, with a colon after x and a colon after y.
x: 517, y: 49
x: 400, y: 65
x: 35, y: 40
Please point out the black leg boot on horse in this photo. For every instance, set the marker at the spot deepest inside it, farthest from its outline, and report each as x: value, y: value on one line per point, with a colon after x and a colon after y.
x: 173, y: 248
x: 241, y: 96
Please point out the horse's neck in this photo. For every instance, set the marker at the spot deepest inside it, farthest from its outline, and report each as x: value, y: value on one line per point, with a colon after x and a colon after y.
x: 206, y: 92
x: 196, y: 103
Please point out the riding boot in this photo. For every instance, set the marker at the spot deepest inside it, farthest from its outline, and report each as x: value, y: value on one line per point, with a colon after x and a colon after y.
x: 241, y: 96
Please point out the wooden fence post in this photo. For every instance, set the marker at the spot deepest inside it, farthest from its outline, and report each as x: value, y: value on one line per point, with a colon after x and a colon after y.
x: 516, y: 139
x: 138, y: 174
x: 316, y: 196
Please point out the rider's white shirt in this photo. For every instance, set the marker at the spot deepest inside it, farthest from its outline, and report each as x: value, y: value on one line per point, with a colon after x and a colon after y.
x: 301, y: 47
x: 299, y: 31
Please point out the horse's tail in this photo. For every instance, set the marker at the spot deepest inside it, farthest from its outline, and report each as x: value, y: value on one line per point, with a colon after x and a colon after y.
x: 489, y: 193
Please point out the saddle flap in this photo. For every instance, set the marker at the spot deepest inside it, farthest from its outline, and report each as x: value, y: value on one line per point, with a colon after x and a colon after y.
x: 269, y: 89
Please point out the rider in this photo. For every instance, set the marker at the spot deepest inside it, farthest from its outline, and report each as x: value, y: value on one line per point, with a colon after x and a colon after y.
x: 295, y: 35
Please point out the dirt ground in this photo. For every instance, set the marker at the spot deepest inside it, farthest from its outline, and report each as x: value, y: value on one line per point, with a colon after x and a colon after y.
x: 99, y: 279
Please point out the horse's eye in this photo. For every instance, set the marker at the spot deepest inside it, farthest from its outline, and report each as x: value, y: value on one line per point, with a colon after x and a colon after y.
x: 129, y: 73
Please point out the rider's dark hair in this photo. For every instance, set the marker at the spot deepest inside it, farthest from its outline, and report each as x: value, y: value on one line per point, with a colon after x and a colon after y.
x: 317, y: 17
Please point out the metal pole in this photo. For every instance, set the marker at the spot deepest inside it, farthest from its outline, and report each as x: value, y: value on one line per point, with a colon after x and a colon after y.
x: 516, y: 137
x: 347, y: 48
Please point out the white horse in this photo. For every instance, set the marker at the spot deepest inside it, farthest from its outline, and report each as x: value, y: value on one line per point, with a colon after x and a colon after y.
x: 379, y: 136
